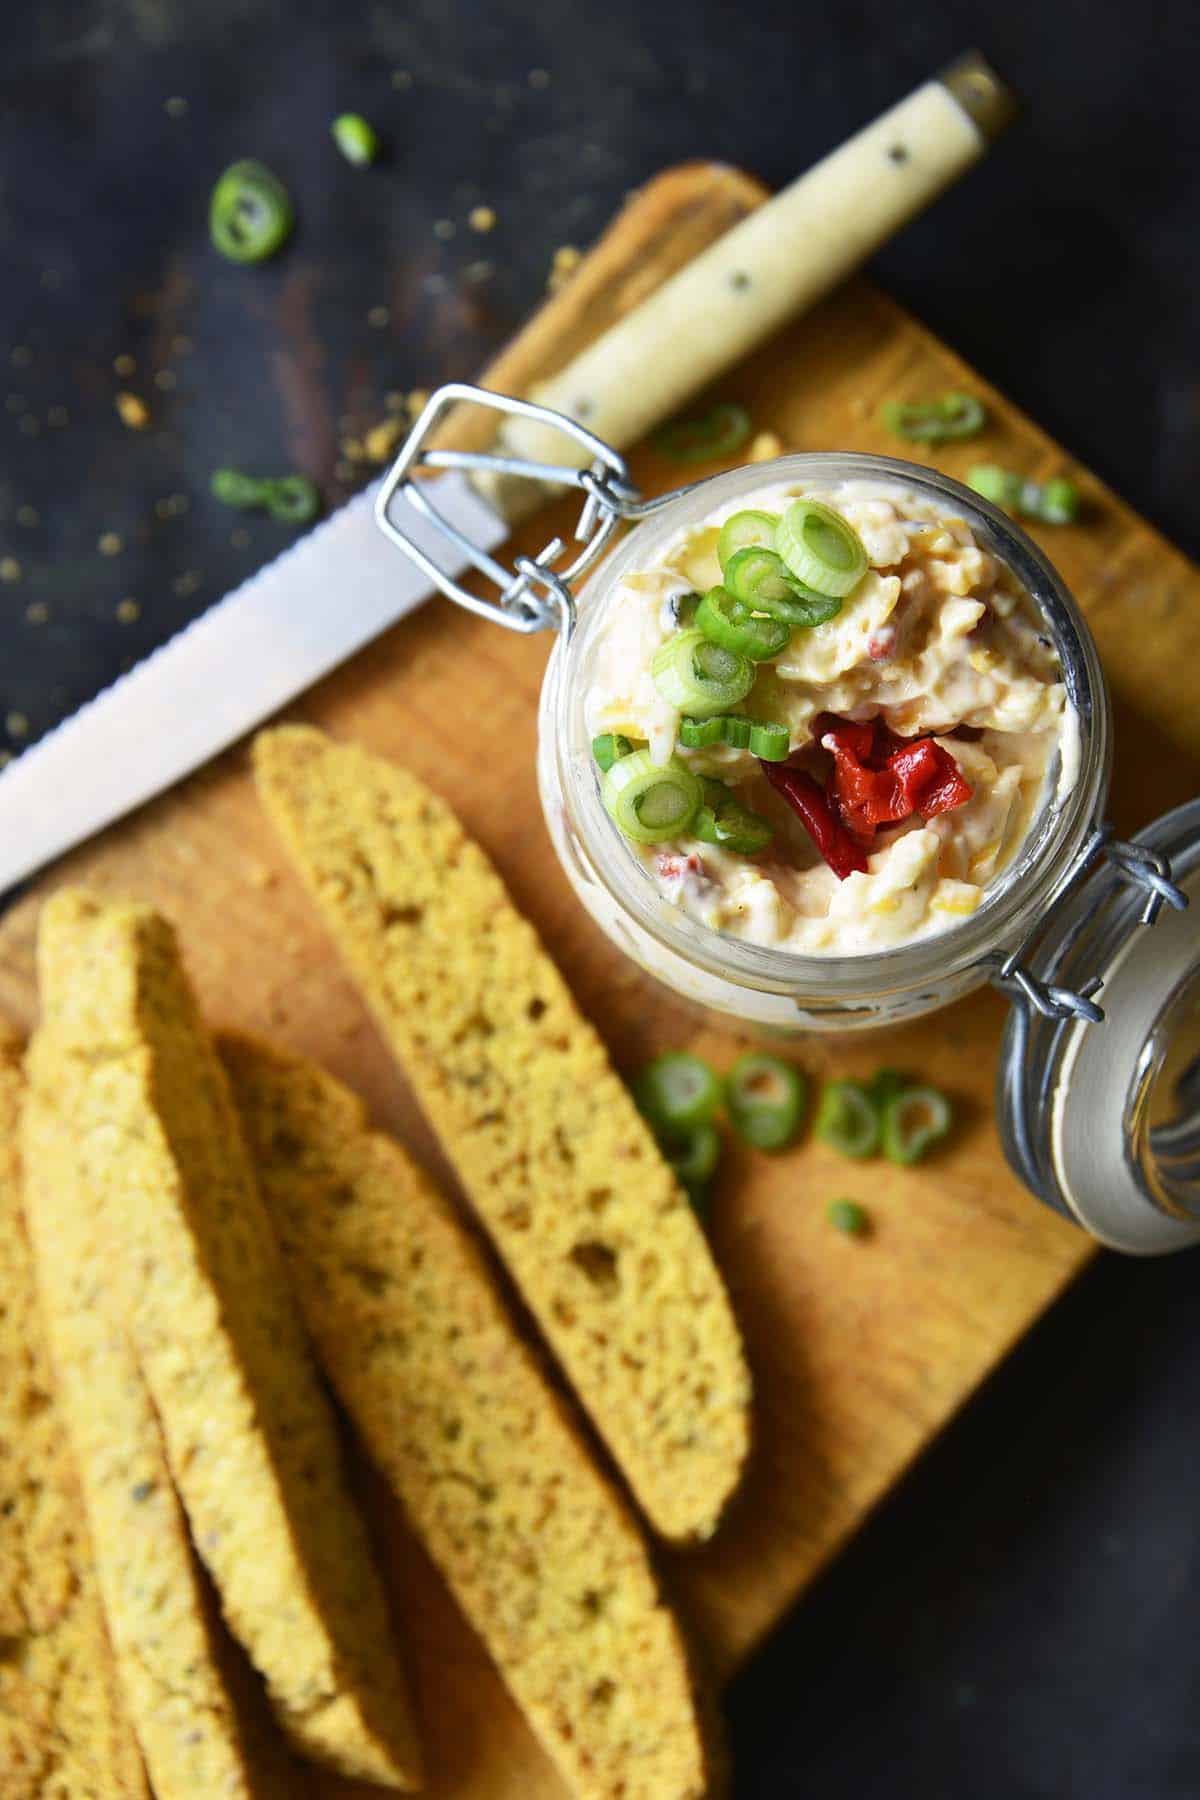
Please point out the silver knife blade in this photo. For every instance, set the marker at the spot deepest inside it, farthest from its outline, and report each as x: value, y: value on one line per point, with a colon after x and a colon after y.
x: 243, y: 659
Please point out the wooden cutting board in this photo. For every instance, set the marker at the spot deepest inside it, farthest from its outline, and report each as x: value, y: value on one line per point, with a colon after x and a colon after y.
x: 861, y: 1350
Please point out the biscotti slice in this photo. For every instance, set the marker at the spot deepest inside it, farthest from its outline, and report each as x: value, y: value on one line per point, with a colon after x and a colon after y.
x: 64, y: 1730
x: 549, y: 1147
x: 543, y: 1555
x: 123, y: 1065
x: 196, y: 1729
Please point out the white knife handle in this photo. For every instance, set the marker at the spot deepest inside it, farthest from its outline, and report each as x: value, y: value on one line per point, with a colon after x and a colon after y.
x: 773, y: 265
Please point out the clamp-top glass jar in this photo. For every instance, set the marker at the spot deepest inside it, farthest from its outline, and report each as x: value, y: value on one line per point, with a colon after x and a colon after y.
x: 1024, y: 936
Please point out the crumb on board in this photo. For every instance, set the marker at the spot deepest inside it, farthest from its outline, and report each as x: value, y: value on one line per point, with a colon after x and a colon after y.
x: 37, y: 612
x: 379, y: 442
x: 444, y: 229
x: 479, y: 271
x: 566, y: 260
x: 418, y: 400
x: 124, y: 364
x: 538, y: 78
x: 395, y: 401
x: 110, y: 543
x: 16, y: 724
x: 764, y: 446
x: 481, y: 218
x: 10, y: 569
x: 175, y: 107
x: 378, y: 317
x: 128, y: 611
x: 132, y: 411
x: 28, y: 515
x: 166, y: 379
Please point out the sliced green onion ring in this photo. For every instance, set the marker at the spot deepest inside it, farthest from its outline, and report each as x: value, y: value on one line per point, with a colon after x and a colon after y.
x: 820, y: 549
x: 804, y: 606
x: 913, y: 1121
x: 765, y: 1099
x: 724, y: 821
x: 356, y: 138
x: 694, y: 1155
x: 293, y: 498
x: 678, y: 1091
x: 719, y: 433
x: 935, y: 421
x: 849, y: 1217
x: 1055, y: 502
x: 884, y: 1085
x: 745, y: 529
x: 846, y: 1119
x: 726, y: 621
x: 763, y: 738
x: 700, y: 677
x: 756, y: 576
x: 650, y: 804
x: 250, y: 213
x: 609, y: 748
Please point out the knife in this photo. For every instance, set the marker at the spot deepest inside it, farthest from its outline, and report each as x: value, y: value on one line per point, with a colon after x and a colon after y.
x: 343, y: 584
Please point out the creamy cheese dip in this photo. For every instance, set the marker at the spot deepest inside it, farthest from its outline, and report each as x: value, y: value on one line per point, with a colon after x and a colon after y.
x: 937, y: 640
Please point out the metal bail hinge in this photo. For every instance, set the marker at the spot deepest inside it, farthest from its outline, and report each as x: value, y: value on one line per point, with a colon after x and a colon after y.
x: 536, y: 593
x: 1133, y: 863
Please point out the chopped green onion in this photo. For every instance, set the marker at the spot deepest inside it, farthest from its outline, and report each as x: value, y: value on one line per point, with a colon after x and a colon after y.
x: 884, y: 1085
x: 250, y: 213
x: 724, y: 821
x: 677, y: 1091
x: 609, y: 748
x: 718, y: 434
x: 651, y: 804
x: 763, y: 738
x: 292, y: 498
x: 934, y: 421
x: 820, y: 548
x: 765, y: 1097
x: 913, y: 1121
x: 743, y: 530
x: 846, y: 1119
x: 756, y: 576
x: 1055, y: 502
x: 803, y: 606
x: 726, y: 621
x: 694, y: 1155
x: 698, y: 676
x: 849, y: 1217
x: 356, y: 138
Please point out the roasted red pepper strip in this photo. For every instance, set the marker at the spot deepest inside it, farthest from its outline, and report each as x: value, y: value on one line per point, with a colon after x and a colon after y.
x: 810, y: 805
x: 880, y: 779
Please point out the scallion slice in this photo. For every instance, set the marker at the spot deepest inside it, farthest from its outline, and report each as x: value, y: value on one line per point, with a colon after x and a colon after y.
x: 803, y: 606
x: 719, y: 433
x: 764, y: 738
x: 756, y: 576
x: 698, y: 676
x: 609, y: 748
x: 1054, y: 502
x: 765, y: 1099
x: 650, y: 804
x: 913, y: 1121
x: 846, y: 1119
x: 726, y: 621
x: 724, y: 821
x: 745, y: 529
x: 936, y: 421
x: 356, y: 138
x: 848, y: 1217
x: 820, y: 548
x: 677, y: 1091
x: 250, y: 213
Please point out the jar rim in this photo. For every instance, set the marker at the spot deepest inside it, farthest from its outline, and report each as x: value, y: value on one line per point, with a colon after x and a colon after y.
x: 1033, y: 878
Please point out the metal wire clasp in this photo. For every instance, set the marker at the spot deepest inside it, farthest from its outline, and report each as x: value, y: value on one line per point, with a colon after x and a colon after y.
x: 535, y: 595
x: 1133, y: 863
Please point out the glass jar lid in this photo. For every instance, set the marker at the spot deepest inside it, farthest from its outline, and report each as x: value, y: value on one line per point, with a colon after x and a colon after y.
x: 1099, y: 1104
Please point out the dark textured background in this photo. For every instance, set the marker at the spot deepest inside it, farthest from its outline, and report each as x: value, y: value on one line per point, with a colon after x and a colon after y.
x: 1021, y: 1619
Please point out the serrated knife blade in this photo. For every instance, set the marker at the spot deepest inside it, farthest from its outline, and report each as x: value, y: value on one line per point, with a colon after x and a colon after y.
x: 238, y: 663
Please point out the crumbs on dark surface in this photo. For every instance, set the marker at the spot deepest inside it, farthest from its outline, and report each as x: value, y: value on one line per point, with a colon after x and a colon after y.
x: 897, y: 153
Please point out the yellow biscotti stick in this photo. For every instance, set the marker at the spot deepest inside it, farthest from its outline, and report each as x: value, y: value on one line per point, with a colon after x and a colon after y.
x: 547, y: 1142
x: 124, y: 1066
x: 194, y: 1725
x: 543, y: 1555
x: 65, y: 1733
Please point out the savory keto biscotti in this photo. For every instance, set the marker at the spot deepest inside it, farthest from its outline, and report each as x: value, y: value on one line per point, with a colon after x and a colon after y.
x: 547, y: 1142
x: 65, y: 1733
x: 193, y: 1718
x: 122, y: 1070
x: 541, y: 1552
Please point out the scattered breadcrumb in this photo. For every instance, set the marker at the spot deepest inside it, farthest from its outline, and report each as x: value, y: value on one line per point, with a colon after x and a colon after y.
x: 538, y: 78
x: 418, y: 400
x: 395, y: 401
x: 37, y: 612
x: 181, y: 346
x: 128, y: 611
x: 382, y: 439
x: 765, y: 446
x: 176, y: 107
x: 16, y: 724
x: 124, y: 364
x: 481, y: 218
x: 379, y: 316
x: 166, y: 379
x: 110, y: 543
x: 132, y: 411
x: 567, y: 259
x: 28, y: 515
x: 10, y: 569
x: 187, y: 583
x: 444, y: 229
x: 479, y: 271
x: 352, y: 449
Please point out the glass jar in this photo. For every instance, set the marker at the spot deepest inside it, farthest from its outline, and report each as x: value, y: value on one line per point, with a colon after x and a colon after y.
x: 776, y: 989
x: 1098, y: 1110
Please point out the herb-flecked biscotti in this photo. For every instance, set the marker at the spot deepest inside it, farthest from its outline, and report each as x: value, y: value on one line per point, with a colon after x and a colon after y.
x: 550, y: 1149
x: 542, y: 1554
x: 123, y: 1064
x: 64, y: 1730
x: 191, y: 1715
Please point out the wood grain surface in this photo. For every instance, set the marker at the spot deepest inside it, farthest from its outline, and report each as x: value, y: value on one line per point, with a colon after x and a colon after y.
x: 861, y: 1350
